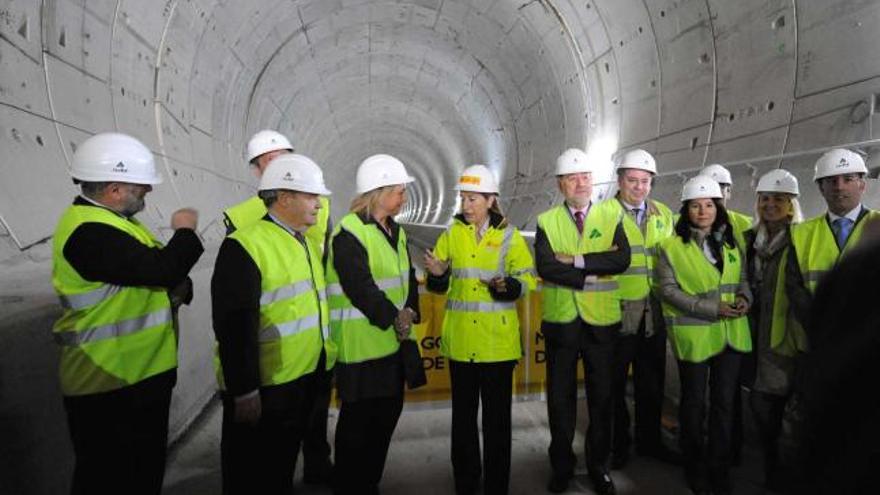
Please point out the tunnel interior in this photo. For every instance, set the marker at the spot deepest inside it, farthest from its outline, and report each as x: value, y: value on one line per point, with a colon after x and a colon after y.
x: 441, y: 84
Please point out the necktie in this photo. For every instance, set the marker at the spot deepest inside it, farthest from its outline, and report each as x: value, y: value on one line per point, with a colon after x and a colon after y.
x: 579, y: 221
x: 635, y: 214
x: 842, y: 228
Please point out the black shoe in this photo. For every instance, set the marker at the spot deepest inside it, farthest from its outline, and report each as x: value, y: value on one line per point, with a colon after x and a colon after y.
x: 602, y: 482
x: 558, y: 483
x: 662, y: 453
x: 318, y: 476
x: 697, y: 479
x: 619, y: 459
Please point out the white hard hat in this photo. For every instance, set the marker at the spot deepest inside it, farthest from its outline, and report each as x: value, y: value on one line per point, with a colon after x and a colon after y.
x: 638, y: 159
x: 477, y: 178
x: 380, y: 171
x: 700, y: 187
x: 114, y: 157
x: 717, y: 172
x: 266, y: 141
x: 573, y: 161
x: 294, y: 173
x: 779, y: 181
x: 839, y: 162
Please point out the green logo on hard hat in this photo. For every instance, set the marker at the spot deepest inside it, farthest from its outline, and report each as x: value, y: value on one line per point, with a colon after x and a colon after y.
x: 595, y: 234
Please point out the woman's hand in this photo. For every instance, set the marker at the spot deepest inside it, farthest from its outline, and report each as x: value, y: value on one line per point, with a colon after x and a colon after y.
x: 741, y: 304
x: 403, y: 323
x: 435, y: 266
x: 496, y: 283
x: 728, y: 310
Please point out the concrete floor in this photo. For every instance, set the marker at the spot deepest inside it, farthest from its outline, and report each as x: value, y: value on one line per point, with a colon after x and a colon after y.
x: 418, y: 461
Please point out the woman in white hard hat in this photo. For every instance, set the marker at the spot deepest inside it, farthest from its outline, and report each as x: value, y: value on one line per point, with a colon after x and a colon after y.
x: 705, y: 298
x: 777, y: 338
x: 483, y: 265
x: 373, y: 298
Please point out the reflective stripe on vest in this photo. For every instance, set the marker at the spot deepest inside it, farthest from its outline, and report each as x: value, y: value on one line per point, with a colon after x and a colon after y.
x: 477, y: 328
x: 113, y: 330
x: 596, y: 303
x: 696, y: 339
x: 110, y: 336
x: 358, y: 340
x: 816, y: 248
x: 293, y: 305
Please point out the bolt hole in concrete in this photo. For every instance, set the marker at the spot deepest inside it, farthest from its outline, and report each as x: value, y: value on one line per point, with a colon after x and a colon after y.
x: 694, y: 143
x: 770, y: 105
x: 39, y: 140
x: 779, y: 22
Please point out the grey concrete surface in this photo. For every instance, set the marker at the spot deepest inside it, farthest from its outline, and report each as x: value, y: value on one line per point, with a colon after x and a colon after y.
x: 418, y: 461
x: 752, y: 84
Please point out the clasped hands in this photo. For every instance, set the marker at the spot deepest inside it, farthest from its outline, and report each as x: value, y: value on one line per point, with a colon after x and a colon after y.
x: 735, y: 309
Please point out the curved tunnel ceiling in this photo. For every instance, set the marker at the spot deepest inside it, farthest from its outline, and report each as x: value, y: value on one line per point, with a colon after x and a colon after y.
x: 440, y: 83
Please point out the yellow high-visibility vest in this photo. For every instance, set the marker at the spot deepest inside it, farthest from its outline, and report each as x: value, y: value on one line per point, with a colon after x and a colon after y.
x: 816, y: 248
x: 294, y: 318
x: 111, y: 336
x: 694, y: 338
x: 477, y: 328
x: 356, y: 339
x: 635, y: 283
x: 598, y: 303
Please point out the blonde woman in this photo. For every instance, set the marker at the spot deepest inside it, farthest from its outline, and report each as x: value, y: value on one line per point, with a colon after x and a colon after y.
x: 777, y: 337
x: 373, y: 298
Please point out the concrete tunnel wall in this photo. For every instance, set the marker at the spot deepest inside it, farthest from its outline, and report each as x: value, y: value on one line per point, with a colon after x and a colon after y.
x: 441, y: 84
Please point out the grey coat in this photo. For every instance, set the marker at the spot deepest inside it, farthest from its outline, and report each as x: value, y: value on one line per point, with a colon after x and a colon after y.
x: 773, y: 372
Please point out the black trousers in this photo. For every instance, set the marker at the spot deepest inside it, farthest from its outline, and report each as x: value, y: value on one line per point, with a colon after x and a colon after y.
x: 491, y: 384
x: 768, y: 410
x: 261, y: 458
x: 363, y: 435
x: 119, y: 438
x: 315, y: 448
x: 721, y: 374
x: 565, y: 346
x: 648, y: 357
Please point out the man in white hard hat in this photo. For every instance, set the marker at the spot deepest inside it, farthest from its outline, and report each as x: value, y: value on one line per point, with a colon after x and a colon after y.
x: 820, y: 242
x: 262, y: 148
x: 272, y: 326
x: 117, y: 335
x: 642, y: 340
x: 579, y: 248
x: 739, y: 221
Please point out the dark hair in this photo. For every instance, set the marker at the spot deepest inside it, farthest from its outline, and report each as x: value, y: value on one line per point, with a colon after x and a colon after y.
x: 269, y: 197
x: 93, y: 189
x: 721, y: 228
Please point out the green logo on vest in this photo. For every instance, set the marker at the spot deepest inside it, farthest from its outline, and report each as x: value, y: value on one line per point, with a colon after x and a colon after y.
x: 659, y: 224
x: 595, y: 234
x: 731, y: 258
